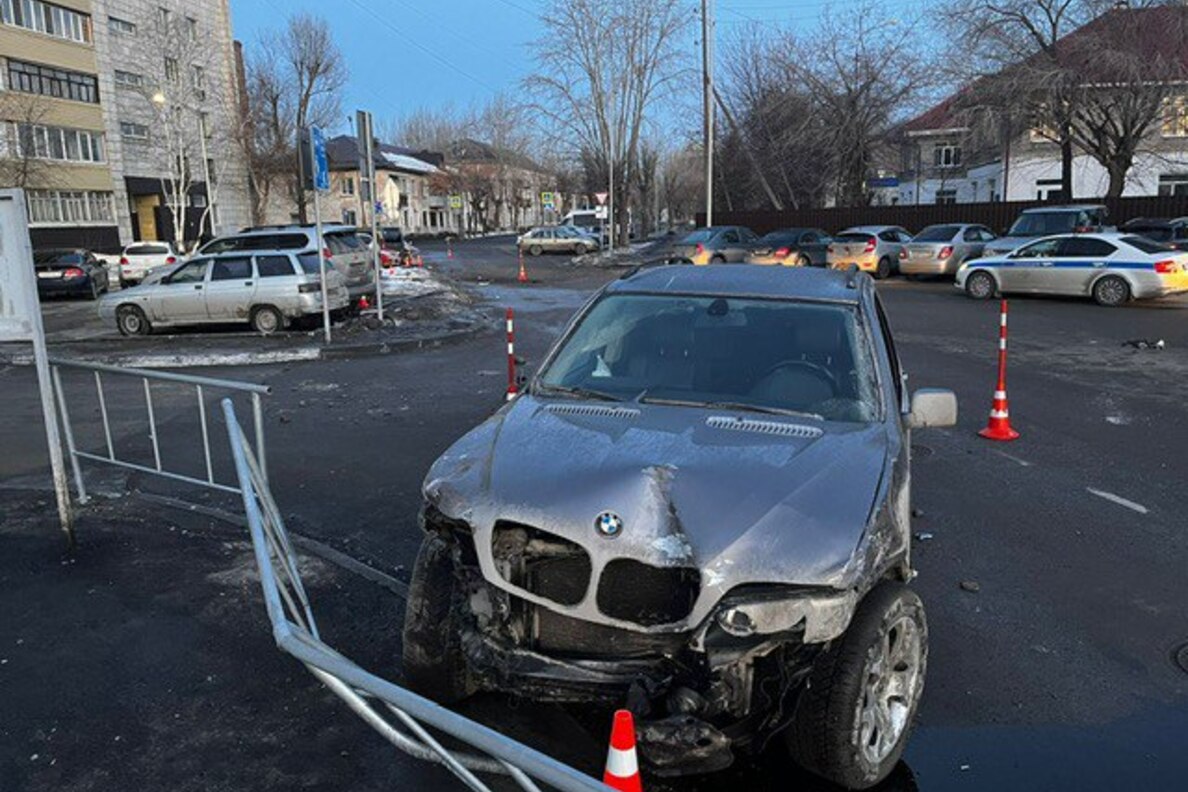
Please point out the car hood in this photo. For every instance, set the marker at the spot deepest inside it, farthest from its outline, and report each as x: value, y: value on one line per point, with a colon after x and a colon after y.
x: 771, y: 500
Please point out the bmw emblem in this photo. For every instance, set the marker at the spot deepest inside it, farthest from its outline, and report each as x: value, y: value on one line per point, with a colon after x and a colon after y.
x: 608, y: 524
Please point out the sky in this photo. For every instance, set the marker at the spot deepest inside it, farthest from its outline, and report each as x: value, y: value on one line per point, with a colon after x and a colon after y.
x: 407, y: 54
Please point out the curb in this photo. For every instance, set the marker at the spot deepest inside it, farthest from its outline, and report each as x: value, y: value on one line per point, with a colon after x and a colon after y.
x: 309, y: 352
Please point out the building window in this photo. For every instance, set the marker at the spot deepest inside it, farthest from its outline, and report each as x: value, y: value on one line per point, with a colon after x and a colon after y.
x: 170, y: 68
x: 946, y: 196
x: 47, y: 81
x: 163, y: 18
x: 125, y: 79
x: 191, y: 28
x: 122, y: 26
x: 133, y: 131
x: 348, y: 185
x: 348, y: 217
x: 1175, y: 116
x: 1173, y: 184
x: 198, y: 81
x: 70, y: 207
x: 947, y: 155
x: 52, y: 20
x: 36, y: 141
x: 198, y: 200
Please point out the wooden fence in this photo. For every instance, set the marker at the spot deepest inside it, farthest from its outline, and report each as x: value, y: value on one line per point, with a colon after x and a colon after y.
x: 998, y: 216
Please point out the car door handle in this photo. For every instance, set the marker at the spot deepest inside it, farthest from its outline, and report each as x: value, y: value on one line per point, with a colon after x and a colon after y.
x: 1045, y: 263
x: 247, y: 283
x: 1099, y: 263
x: 198, y: 286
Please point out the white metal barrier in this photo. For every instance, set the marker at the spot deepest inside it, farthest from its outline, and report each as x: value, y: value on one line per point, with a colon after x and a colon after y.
x: 399, y: 715
x: 158, y: 468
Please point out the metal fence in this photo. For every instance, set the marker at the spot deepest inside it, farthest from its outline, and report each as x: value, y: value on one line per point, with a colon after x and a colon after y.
x: 998, y: 215
x: 399, y: 715
x: 200, y: 386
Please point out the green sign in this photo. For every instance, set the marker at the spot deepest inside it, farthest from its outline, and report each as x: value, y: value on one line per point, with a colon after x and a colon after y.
x: 455, y: 201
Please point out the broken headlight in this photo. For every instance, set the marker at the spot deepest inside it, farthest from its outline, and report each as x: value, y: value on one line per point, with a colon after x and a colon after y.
x: 822, y: 614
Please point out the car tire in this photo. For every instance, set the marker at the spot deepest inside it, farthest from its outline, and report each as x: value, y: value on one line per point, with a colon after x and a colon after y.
x: 1111, y: 291
x: 266, y: 320
x: 431, y: 651
x: 131, y: 321
x: 849, y: 727
x: 535, y: 250
x: 883, y: 269
x: 980, y: 285
x: 717, y: 259
x: 803, y: 261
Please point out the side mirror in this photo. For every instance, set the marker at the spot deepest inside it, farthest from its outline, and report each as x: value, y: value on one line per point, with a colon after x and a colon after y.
x: 931, y: 408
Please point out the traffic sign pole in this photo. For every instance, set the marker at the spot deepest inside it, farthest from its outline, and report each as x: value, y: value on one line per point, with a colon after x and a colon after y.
x: 321, y: 179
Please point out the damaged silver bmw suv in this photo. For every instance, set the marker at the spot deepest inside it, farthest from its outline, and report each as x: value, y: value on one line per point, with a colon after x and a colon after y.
x: 699, y: 509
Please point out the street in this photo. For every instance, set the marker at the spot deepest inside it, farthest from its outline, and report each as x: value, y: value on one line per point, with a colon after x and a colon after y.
x: 1052, y: 568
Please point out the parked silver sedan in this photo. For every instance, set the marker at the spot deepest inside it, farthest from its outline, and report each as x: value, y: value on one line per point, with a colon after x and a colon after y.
x: 874, y: 249
x: 941, y: 249
x: 1111, y: 268
x: 716, y: 245
x: 267, y: 290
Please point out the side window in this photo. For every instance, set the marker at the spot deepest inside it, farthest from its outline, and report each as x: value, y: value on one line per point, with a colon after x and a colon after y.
x: 809, y: 238
x: 1041, y: 249
x: 896, y: 372
x: 730, y: 237
x: 274, y: 266
x: 231, y: 269
x: 221, y: 245
x: 904, y: 236
x: 987, y: 235
x: 190, y: 272
x: 1086, y: 247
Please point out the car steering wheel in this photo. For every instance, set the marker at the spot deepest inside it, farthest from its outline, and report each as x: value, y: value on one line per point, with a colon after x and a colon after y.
x: 816, y: 369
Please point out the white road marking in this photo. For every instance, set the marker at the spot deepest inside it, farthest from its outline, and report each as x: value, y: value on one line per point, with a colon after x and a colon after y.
x: 1013, y: 458
x: 1118, y: 499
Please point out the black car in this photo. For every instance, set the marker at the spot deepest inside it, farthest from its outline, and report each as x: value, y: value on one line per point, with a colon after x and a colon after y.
x: 791, y: 247
x: 1171, y: 232
x: 69, y: 271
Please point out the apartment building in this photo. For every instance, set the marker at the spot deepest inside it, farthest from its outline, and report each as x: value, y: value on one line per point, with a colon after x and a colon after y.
x: 119, y: 119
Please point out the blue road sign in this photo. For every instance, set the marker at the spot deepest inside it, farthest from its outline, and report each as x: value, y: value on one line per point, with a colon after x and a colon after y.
x: 320, y: 161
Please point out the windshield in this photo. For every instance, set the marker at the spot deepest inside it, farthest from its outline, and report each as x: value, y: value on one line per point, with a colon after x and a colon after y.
x: 56, y: 257
x: 1146, y: 245
x: 703, y: 235
x: 737, y: 353
x: 939, y: 233
x: 1044, y: 223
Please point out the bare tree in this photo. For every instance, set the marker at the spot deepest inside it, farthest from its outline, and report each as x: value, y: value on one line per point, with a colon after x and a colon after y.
x: 311, y: 75
x: 429, y: 128
x: 177, y: 68
x: 602, y: 68
x: 267, y: 134
x: 23, y: 160
x: 865, y: 71
x: 680, y: 183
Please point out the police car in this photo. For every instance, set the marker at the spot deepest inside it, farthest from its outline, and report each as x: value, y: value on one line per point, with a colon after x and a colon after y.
x: 1112, y: 268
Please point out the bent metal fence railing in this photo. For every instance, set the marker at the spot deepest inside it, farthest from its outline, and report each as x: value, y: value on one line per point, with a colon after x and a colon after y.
x: 399, y: 715
x: 200, y: 385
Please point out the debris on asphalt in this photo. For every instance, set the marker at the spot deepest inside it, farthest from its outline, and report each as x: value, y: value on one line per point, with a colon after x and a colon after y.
x: 917, y: 512
x: 1144, y: 343
x: 971, y: 586
x: 923, y: 536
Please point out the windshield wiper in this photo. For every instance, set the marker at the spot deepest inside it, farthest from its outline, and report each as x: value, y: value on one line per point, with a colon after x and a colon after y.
x: 576, y: 392
x: 729, y: 405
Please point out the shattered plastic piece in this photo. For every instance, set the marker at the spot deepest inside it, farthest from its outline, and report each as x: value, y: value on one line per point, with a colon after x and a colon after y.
x: 923, y: 536
x: 971, y: 586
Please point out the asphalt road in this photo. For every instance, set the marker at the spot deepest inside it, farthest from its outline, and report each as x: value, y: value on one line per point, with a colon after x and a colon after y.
x: 1056, y: 673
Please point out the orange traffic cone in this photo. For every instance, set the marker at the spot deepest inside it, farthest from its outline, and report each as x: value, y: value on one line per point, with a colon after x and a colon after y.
x: 523, y: 276
x: 622, y: 768
x: 999, y: 427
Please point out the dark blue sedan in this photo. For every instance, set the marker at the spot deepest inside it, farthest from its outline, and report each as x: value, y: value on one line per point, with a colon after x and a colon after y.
x: 72, y: 272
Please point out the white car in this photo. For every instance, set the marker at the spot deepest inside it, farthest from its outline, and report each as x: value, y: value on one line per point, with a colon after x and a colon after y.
x: 140, y: 258
x: 266, y: 290
x: 1112, y: 268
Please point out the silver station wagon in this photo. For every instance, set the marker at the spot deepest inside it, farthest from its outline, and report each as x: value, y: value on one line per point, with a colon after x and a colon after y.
x: 265, y: 290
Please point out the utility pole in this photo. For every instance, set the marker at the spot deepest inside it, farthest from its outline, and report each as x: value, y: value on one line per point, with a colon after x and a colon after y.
x: 612, y: 120
x: 707, y: 80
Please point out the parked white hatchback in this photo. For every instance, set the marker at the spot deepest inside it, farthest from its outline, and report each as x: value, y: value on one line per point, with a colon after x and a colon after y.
x: 266, y: 290
x: 141, y: 258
